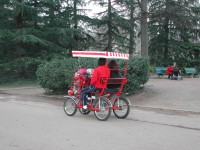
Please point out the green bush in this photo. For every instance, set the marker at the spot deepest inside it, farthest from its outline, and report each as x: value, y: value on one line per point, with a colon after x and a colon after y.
x: 56, y: 75
x: 24, y: 67
x: 151, y: 68
x: 137, y: 74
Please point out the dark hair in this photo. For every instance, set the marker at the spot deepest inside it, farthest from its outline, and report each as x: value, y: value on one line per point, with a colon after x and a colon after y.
x: 102, y: 61
x: 112, y: 64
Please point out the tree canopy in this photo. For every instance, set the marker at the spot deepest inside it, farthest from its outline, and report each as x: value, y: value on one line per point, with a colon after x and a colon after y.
x: 45, y: 28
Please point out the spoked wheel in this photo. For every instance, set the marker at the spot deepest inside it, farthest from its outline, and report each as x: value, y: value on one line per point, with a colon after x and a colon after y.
x: 70, y: 106
x: 84, y: 113
x: 121, y: 107
x: 104, y: 109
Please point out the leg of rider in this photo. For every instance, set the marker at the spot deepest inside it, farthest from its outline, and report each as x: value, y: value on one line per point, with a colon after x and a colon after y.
x: 84, y: 93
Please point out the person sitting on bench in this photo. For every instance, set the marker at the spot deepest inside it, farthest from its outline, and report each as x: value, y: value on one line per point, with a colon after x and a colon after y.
x: 176, y: 71
x: 169, y: 71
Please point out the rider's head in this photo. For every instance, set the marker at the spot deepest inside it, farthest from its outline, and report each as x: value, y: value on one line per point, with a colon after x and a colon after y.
x: 102, y: 61
x: 112, y: 64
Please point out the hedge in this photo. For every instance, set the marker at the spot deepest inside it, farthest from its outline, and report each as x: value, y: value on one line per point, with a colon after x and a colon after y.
x: 56, y: 75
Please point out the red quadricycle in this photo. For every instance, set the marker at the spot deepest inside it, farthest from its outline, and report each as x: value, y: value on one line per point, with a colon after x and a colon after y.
x: 108, y: 98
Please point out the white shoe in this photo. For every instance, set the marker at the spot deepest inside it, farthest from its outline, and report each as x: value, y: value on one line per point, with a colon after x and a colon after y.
x: 85, y: 107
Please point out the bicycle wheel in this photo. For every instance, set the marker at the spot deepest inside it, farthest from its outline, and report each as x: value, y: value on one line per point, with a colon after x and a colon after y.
x: 121, y: 107
x: 104, y: 109
x: 70, y: 106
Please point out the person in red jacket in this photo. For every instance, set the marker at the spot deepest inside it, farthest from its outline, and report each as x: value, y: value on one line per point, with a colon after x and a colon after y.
x: 101, y: 71
x: 169, y: 71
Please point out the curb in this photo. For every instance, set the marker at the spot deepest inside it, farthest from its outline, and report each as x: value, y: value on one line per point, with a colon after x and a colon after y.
x: 166, y: 110
x: 52, y: 96
x: 146, y: 108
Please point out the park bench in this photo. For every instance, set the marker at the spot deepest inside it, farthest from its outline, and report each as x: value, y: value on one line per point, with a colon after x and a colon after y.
x: 192, y: 72
x: 160, y: 71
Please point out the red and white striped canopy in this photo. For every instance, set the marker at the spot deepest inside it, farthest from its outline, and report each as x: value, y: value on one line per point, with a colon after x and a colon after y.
x: 100, y: 54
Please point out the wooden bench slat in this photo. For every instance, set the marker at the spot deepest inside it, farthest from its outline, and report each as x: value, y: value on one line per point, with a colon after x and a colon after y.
x: 161, y: 70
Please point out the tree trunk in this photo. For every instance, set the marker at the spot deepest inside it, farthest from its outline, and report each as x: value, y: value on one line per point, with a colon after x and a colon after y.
x: 36, y: 5
x: 76, y: 38
x: 144, y: 29
x: 109, y: 26
x: 75, y: 15
x: 131, y: 43
x: 166, y: 35
x: 19, y: 18
x: 19, y: 24
x: 51, y: 14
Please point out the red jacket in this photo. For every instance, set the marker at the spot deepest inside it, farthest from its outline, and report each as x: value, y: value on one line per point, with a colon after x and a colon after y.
x: 99, y: 72
x: 169, y: 70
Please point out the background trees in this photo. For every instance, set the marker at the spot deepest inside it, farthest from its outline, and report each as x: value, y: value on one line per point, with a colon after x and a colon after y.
x: 174, y: 31
x: 44, y: 29
x: 41, y: 34
x: 40, y: 28
x: 111, y: 25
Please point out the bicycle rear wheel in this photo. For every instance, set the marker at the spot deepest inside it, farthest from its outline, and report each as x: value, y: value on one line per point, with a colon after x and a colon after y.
x: 104, y: 109
x: 121, y: 107
x: 70, y: 106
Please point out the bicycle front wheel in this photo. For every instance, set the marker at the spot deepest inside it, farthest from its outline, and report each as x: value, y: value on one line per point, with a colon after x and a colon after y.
x: 121, y: 107
x: 70, y: 106
x: 103, y: 109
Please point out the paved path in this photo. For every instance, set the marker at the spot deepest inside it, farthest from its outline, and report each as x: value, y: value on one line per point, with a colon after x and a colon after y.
x: 183, y: 95
x: 163, y: 94
x: 27, y: 123
x: 32, y: 121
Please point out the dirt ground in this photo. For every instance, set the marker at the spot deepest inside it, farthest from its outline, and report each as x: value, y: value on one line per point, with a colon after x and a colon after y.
x: 165, y: 94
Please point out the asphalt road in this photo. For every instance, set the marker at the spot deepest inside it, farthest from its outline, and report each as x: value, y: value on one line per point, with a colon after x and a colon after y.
x: 32, y: 122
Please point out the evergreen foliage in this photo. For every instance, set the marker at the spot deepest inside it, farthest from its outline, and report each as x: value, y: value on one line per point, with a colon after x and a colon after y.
x: 128, y: 23
x: 174, y: 32
x: 38, y: 28
x: 20, y: 68
x: 115, y: 29
x: 48, y: 30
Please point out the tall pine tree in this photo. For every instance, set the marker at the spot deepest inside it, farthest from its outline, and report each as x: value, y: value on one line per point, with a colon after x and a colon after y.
x: 171, y: 28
